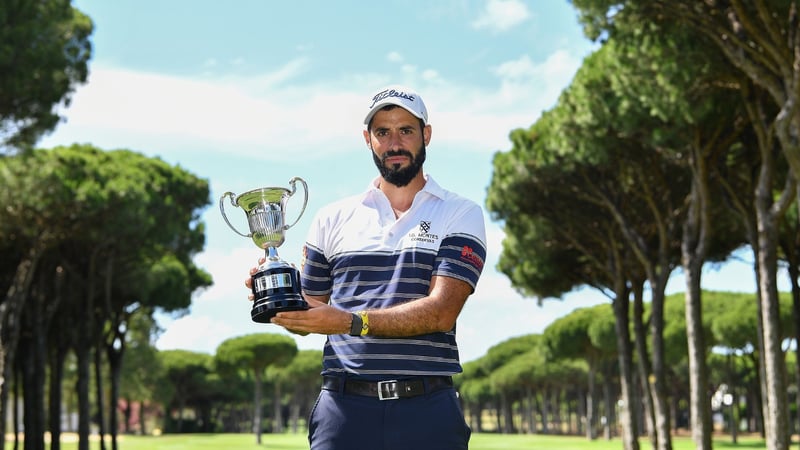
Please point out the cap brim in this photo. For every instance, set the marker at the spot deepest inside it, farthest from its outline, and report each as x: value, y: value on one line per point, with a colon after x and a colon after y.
x: 389, y: 101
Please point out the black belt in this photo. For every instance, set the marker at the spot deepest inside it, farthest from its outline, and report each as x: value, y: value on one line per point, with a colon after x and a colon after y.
x: 389, y: 389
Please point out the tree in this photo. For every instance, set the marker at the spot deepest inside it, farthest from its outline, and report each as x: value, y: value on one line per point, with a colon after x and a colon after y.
x: 589, y: 177
x: 474, y: 388
x: 302, y: 375
x: 584, y: 334
x: 185, y: 373
x: 760, y: 39
x: 683, y: 84
x: 257, y: 352
x: 141, y: 372
x: 496, y: 357
x: 95, y: 236
x: 44, y: 54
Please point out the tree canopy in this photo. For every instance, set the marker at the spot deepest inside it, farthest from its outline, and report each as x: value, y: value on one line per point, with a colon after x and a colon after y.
x: 44, y: 55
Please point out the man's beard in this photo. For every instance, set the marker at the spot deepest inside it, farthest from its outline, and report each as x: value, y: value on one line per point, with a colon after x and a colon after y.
x: 396, y: 175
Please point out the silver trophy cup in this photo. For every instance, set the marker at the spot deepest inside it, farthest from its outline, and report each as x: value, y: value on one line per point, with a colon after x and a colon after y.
x: 276, y: 284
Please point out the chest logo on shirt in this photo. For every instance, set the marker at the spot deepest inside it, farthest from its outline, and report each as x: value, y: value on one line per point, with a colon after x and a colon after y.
x: 422, y: 234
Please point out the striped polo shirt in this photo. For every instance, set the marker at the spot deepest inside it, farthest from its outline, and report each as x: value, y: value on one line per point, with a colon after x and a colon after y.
x: 364, y: 258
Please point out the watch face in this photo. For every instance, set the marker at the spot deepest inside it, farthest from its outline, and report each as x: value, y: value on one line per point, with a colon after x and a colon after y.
x: 356, y: 326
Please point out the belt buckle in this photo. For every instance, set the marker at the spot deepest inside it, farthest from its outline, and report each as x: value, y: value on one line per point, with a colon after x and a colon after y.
x: 387, y: 390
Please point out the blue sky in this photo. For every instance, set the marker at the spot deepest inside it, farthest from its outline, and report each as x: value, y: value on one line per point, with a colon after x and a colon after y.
x: 252, y: 93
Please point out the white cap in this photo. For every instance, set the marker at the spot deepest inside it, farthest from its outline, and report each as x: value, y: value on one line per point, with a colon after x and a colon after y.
x: 400, y: 96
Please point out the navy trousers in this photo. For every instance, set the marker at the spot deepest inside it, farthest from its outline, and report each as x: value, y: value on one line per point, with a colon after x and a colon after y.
x: 433, y: 421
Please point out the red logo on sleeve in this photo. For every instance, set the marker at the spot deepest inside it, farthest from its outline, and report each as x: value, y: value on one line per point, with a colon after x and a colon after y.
x: 468, y: 255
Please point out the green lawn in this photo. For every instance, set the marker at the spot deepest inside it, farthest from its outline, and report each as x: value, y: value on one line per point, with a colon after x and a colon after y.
x: 481, y: 441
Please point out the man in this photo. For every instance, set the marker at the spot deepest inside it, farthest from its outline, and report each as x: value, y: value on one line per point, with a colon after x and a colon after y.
x: 386, y: 274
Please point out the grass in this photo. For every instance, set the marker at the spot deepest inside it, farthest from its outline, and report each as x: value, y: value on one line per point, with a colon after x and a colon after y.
x: 479, y: 441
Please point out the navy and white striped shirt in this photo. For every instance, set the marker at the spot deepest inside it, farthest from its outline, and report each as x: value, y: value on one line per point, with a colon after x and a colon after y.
x: 364, y: 258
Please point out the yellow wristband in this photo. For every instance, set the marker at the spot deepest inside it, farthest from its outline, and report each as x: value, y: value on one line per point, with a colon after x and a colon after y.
x: 364, y: 322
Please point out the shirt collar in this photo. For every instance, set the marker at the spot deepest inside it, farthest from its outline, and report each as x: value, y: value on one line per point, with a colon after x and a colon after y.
x: 431, y: 187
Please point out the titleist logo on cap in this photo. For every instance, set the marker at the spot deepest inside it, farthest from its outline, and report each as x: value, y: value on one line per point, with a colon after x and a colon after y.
x: 390, y: 93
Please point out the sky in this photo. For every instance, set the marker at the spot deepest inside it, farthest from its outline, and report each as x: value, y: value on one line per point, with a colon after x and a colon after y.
x: 251, y: 93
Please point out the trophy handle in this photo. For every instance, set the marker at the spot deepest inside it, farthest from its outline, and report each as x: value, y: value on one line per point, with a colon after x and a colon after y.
x: 222, y: 210
x: 305, y: 199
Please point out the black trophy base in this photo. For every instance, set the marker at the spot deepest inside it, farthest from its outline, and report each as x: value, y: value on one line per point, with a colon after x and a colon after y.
x: 276, y: 288
x: 266, y: 308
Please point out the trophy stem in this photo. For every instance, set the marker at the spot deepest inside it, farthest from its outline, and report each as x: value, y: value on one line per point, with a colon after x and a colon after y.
x: 272, y: 254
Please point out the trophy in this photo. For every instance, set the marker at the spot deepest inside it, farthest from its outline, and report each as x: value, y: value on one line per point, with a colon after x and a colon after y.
x: 276, y: 284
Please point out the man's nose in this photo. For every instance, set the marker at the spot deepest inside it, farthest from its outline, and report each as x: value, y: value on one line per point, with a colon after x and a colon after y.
x: 394, y: 141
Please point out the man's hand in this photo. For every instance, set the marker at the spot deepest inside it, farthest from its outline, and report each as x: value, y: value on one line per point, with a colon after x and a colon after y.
x: 320, y: 318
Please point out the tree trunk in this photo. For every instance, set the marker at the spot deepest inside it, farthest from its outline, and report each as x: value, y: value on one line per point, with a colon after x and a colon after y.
x: 83, y: 349
x: 257, y: 407
x: 294, y: 412
x: 82, y: 389
x: 57, y: 357
x: 545, y: 412
x: 580, y: 399
x: 17, y: 397
x: 699, y: 401
x: 100, y: 393
x: 115, y: 358
x: 530, y: 418
x: 507, y: 413
x: 33, y: 394
x: 694, y: 247
x: 658, y: 385
x: 643, y: 363
x: 776, y: 420
x: 142, y: 419
x: 590, y: 404
x: 277, y: 409
x: 630, y: 434
x: 793, y: 274
x: 115, y: 349
x: 608, y: 418
x: 769, y: 213
x: 10, y: 324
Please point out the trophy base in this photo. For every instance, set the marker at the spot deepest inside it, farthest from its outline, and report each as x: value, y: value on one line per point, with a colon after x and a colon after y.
x: 276, y: 288
x: 266, y: 308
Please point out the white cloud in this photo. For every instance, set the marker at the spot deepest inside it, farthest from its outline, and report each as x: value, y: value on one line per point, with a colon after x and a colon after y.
x: 238, y: 116
x: 502, y: 15
x: 195, y: 333
x: 253, y: 116
x: 394, y: 57
x: 558, y: 67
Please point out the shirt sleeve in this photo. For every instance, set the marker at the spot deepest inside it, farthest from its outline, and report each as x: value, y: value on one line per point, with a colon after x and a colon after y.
x: 463, y: 249
x: 315, y: 269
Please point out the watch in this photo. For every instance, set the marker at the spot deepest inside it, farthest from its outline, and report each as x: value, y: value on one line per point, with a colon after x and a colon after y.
x: 356, y: 325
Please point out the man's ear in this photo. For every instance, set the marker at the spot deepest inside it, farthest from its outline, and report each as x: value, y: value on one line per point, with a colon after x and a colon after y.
x: 367, y: 139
